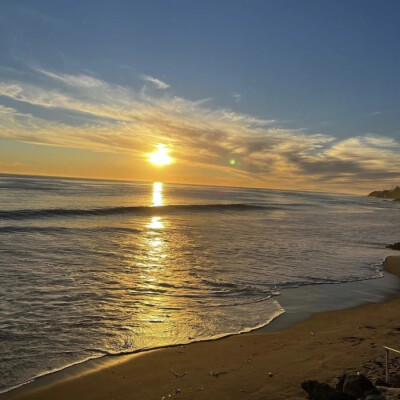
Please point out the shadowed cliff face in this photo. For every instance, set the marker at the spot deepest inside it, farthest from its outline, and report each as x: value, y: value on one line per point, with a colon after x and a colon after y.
x: 387, y: 194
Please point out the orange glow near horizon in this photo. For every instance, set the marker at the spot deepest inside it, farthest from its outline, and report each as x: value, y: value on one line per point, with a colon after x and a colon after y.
x: 160, y: 157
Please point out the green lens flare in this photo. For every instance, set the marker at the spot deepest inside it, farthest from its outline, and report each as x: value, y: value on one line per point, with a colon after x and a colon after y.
x: 232, y: 162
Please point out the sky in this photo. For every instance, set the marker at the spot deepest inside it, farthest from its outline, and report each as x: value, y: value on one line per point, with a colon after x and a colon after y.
x: 288, y: 94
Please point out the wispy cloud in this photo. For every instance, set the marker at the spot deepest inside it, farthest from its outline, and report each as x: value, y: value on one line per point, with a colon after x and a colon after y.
x: 158, y: 83
x: 374, y: 113
x: 80, y: 81
x: 236, y: 96
x: 202, y: 137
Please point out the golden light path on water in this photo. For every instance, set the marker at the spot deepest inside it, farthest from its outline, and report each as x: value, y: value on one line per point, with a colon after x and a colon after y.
x: 154, y: 318
x: 170, y: 304
x: 156, y: 223
x: 157, y: 194
x: 166, y: 320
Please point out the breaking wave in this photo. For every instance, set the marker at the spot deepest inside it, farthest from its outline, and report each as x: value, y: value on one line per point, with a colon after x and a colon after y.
x: 138, y: 210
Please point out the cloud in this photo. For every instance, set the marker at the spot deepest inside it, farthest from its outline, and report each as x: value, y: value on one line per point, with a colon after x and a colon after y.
x: 202, y: 137
x: 374, y: 113
x: 80, y: 81
x: 236, y: 96
x: 157, y: 82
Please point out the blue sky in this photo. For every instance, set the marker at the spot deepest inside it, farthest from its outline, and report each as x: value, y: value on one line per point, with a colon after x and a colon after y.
x: 323, y: 72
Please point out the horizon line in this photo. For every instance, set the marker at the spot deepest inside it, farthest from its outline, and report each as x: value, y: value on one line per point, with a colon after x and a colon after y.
x: 176, y: 183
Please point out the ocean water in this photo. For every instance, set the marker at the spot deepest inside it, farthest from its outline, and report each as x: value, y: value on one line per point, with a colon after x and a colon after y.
x: 89, y: 267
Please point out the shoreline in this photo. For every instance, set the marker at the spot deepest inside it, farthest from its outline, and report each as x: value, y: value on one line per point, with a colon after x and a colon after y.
x: 316, y: 297
x: 82, y: 377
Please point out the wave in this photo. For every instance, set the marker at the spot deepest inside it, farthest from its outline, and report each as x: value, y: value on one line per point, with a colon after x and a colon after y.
x: 135, y: 210
x: 60, y: 229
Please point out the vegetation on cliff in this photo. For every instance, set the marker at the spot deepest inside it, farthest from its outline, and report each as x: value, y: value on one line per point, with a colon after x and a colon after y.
x: 393, y: 193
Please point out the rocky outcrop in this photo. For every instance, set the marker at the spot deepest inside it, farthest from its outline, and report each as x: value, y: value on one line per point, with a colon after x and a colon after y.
x: 349, y: 387
x: 322, y: 391
x: 390, y: 393
x: 393, y: 194
x: 394, y: 246
x: 358, y: 386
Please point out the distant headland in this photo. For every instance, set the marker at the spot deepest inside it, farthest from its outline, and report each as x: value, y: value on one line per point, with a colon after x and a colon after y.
x: 393, y: 194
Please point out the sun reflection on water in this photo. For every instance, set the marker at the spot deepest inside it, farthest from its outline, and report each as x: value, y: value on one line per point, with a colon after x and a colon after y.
x: 157, y: 194
x: 156, y: 244
x: 155, y: 238
x: 161, y: 269
x: 155, y: 223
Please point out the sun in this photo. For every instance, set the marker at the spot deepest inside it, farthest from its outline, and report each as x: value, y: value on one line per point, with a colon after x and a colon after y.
x: 160, y: 157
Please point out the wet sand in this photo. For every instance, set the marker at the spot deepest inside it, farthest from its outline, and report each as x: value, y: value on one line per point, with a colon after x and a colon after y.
x: 262, y: 365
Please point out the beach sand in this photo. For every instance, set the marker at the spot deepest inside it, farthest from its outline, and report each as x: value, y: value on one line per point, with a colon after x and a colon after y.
x: 264, y: 365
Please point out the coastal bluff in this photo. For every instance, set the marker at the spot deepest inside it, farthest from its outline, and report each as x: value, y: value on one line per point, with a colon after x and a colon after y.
x: 393, y: 193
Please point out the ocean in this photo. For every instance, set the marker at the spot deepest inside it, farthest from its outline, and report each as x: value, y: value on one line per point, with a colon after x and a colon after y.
x: 95, y: 267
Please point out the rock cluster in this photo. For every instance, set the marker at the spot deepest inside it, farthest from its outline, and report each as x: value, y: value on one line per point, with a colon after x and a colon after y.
x: 349, y: 387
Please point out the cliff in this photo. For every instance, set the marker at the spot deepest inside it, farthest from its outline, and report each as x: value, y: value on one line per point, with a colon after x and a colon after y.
x: 387, y: 194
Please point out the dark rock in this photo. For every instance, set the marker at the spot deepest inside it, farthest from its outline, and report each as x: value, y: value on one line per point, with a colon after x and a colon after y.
x: 381, y: 382
x: 359, y: 386
x: 394, y: 380
x: 394, y: 246
x: 390, y: 393
x: 339, y: 385
x: 322, y: 391
x: 387, y: 194
x: 375, y: 396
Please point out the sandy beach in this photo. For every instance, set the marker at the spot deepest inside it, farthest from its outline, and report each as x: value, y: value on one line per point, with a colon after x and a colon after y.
x: 265, y: 365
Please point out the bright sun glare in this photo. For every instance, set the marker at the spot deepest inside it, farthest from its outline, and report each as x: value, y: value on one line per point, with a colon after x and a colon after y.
x: 160, y: 157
